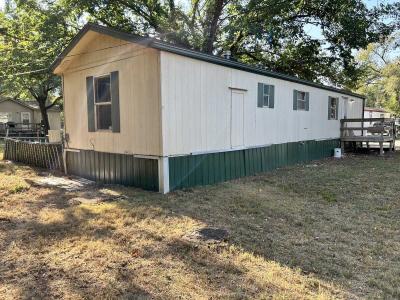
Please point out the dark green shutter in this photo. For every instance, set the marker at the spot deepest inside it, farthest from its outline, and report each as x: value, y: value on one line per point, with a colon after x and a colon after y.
x: 271, y: 96
x: 329, y: 107
x: 337, y: 108
x: 307, y: 101
x: 115, y: 120
x: 260, y: 95
x: 90, y: 104
x: 294, y: 99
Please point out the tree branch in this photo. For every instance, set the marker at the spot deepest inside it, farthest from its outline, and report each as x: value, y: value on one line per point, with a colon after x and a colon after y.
x: 55, y: 102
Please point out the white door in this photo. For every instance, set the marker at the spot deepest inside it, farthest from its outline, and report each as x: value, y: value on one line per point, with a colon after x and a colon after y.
x: 237, y: 119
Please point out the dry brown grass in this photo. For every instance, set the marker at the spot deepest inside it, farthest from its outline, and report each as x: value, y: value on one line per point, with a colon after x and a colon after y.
x: 326, y: 230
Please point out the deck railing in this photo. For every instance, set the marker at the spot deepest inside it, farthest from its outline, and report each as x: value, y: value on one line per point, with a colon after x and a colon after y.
x: 368, y: 130
x: 21, y: 129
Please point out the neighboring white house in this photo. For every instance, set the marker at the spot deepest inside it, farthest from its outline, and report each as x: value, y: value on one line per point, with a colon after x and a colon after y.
x: 374, y: 112
x: 142, y: 112
x: 26, y: 113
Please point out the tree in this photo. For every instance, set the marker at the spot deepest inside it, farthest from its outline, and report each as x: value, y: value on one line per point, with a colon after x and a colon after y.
x: 380, y: 80
x: 273, y: 34
x: 269, y: 33
x: 32, y: 33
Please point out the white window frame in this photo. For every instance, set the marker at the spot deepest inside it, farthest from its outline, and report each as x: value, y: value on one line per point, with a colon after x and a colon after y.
x: 299, y: 100
x: 25, y: 113
x: 96, y: 104
x: 336, y: 115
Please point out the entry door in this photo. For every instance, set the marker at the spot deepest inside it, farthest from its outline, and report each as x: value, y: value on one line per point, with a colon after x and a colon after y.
x: 237, y: 119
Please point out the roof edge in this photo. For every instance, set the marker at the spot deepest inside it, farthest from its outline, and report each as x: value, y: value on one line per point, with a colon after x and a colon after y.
x: 163, y: 46
x: 99, y: 29
x: 16, y: 101
x: 22, y: 103
x: 245, y: 67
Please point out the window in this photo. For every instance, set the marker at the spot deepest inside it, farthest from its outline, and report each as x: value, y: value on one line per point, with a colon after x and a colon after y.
x: 265, y: 95
x: 333, y: 108
x: 102, y: 87
x: 301, y: 100
x: 25, y: 118
x: 5, y: 117
x: 102, y: 95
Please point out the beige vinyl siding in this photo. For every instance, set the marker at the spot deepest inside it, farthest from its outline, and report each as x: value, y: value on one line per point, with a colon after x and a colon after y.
x: 37, y: 117
x: 15, y: 110
x: 196, y: 114
x: 54, y: 119
x: 53, y: 115
x: 138, y: 89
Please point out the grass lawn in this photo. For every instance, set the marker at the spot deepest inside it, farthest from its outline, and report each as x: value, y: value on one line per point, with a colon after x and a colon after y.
x: 330, y: 229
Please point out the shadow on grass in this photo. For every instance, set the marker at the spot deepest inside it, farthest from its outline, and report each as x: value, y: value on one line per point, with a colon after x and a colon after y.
x: 335, y: 219
x: 135, y: 247
x: 128, y: 249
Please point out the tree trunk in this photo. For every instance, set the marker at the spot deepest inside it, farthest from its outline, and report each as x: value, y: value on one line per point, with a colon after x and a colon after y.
x: 213, y: 15
x: 45, y: 117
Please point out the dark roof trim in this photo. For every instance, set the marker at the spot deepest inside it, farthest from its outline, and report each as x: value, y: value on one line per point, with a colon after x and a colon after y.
x: 163, y: 46
x: 27, y: 105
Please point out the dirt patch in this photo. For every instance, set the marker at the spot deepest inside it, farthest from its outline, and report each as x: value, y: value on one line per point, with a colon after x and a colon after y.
x: 95, y: 197
x: 64, y: 183
x: 210, y: 235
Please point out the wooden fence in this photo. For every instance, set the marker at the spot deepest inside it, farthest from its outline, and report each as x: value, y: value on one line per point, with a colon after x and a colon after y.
x: 34, y: 139
x: 47, y: 155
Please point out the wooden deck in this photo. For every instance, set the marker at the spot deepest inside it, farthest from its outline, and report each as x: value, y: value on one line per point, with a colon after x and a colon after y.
x: 380, y: 131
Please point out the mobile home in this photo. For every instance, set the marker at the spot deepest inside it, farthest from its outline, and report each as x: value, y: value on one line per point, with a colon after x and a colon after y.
x: 142, y: 112
x: 375, y: 112
x: 26, y: 114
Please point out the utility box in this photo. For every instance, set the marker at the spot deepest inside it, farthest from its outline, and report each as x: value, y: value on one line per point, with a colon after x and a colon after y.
x: 54, y: 136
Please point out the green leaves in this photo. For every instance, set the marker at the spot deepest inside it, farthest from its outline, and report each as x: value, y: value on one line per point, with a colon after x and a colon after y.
x: 32, y: 34
x: 380, y: 80
x: 272, y: 33
x: 314, y: 39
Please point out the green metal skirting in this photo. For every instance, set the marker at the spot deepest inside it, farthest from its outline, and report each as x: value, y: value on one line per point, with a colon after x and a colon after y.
x: 114, y: 168
x: 203, y: 169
